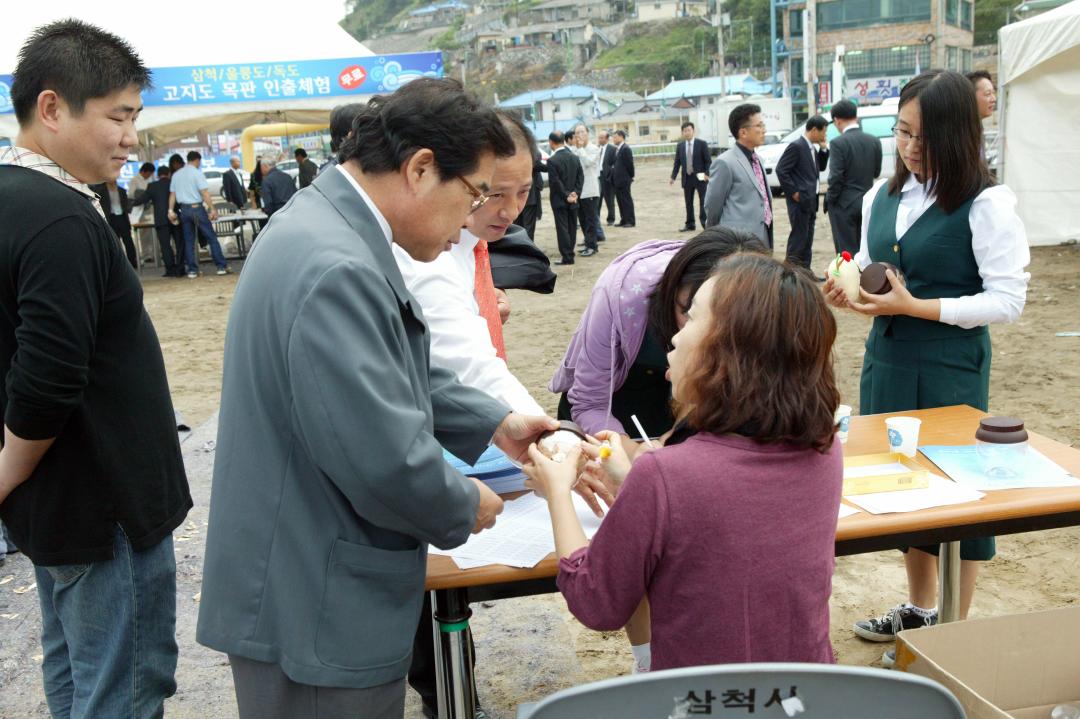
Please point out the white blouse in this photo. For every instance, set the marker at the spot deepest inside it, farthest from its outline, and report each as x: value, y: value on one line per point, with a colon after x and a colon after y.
x: 998, y: 241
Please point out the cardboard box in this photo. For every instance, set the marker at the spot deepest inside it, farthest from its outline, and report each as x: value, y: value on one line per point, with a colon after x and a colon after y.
x: 884, y: 472
x: 1019, y: 666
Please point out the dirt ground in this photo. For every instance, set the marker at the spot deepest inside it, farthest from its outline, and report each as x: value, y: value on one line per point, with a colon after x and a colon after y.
x: 528, y: 648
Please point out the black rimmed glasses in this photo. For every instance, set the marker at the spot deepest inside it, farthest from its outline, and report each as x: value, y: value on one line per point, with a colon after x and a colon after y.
x: 479, y: 198
x: 904, y: 136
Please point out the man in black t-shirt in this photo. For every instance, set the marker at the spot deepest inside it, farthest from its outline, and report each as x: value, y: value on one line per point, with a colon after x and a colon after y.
x: 92, y: 482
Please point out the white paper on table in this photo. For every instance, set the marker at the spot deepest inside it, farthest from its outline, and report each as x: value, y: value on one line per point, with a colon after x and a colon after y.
x: 522, y: 535
x: 847, y: 511
x: 940, y: 493
x: 962, y: 464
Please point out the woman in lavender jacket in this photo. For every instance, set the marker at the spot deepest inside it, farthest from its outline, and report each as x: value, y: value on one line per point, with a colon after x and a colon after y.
x: 616, y: 361
x: 729, y: 533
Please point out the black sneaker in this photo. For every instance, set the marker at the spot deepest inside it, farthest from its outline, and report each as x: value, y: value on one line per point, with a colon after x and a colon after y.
x: 897, y: 619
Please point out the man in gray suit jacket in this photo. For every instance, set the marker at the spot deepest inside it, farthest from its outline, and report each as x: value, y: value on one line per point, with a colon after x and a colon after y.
x: 738, y: 195
x: 854, y: 162
x: 329, y: 480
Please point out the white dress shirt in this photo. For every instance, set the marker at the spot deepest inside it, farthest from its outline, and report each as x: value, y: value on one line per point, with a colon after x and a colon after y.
x: 998, y: 241
x: 460, y: 340
x: 383, y: 224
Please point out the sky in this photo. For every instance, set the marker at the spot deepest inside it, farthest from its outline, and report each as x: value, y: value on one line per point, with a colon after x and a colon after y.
x: 192, y: 32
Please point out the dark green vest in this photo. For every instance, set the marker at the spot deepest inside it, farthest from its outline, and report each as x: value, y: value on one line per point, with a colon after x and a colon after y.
x: 936, y: 258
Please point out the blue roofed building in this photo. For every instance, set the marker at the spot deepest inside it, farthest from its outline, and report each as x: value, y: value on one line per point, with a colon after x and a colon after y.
x: 703, y: 91
x: 566, y: 104
x: 435, y: 15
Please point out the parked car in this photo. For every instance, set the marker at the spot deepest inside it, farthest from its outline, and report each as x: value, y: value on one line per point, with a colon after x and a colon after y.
x: 292, y: 169
x: 774, y: 136
x: 878, y: 120
x: 213, y: 177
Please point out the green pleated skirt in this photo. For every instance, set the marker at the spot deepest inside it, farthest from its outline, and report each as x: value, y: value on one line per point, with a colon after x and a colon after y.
x: 901, y: 375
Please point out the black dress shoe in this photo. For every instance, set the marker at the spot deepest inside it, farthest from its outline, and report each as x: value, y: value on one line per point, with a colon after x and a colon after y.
x: 588, y: 252
x: 687, y: 228
x: 564, y: 262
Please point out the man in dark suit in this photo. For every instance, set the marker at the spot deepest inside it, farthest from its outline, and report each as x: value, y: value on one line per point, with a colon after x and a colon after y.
x: 607, y: 163
x: 277, y: 187
x: 799, y: 172
x: 692, y: 166
x: 565, y: 181
x: 533, y: 210
x: 622, y: 175
x: 854, y: 162
x: 115, y: 205
x: 232, y: 184
x: 168, y: 234
x: 308, y: 169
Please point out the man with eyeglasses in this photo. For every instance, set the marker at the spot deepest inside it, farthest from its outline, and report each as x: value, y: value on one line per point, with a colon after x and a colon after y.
x: 738, y: 194
x: 329, y: 479
x: 854, y: 163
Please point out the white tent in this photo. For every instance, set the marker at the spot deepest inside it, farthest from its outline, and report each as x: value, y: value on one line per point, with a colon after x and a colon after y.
x: 201, y: 32
x: 1039, y: 78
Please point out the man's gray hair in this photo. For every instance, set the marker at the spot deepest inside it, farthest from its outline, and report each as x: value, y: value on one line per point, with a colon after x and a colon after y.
x: 270, y: 162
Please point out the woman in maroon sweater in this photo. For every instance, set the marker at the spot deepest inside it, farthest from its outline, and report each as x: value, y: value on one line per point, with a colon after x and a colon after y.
x: 729, y: 533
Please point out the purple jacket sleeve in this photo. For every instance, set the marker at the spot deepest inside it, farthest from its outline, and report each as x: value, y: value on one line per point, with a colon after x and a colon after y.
x: 598, y: 372
x: 604, y: 582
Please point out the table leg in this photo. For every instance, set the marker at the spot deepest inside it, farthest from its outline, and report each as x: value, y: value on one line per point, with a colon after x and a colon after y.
x: 949, y: 582
x: 453, y: 654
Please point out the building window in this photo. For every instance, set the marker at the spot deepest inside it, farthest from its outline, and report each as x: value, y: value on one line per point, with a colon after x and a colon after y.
x: 952, y: 12
x: 644, y: 130
x: 663, y: 137
x: 557, y: 108
x: 967, y: 15
x: 795, y: 23
x: 797, y: 70
x: 965, y: 60
x: 840, y: 14
x: 878, y: 61
x: 951, y: 58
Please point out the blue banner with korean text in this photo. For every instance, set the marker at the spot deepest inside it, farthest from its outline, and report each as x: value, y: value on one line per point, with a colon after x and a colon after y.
x: 5, y: 95
x: 268, y: 81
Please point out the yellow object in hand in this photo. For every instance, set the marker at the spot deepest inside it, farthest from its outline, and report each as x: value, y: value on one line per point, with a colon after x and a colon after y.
x: 605, y: 450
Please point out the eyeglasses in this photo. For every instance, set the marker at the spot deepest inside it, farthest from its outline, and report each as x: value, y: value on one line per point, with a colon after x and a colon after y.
x: 479, y: 198
x: 904, y: 136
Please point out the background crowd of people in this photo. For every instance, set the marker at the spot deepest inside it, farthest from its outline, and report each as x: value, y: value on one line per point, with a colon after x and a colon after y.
x: 366, y: 337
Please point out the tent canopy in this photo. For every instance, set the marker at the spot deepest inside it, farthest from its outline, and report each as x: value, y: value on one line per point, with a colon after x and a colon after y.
x: 1027, y: 44
x: 1039, y: 77
x: 205, y: 32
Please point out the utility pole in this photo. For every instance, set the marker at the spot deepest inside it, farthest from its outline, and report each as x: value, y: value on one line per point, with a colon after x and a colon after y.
x: 720, y: 46
x: 810, y: 55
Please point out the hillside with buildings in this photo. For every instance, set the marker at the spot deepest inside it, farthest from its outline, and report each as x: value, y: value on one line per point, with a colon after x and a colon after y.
x: 558, y: 59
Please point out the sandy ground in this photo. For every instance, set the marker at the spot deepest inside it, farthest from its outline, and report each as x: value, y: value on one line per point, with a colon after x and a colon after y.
x: 530, y: 647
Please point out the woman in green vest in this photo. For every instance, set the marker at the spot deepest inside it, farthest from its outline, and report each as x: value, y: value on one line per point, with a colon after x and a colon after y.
x: 962, y: 249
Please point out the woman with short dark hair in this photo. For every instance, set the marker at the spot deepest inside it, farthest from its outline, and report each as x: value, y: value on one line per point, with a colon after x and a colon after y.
x: 615, y: 364
x: 958, y: 241
x: 730, y: 533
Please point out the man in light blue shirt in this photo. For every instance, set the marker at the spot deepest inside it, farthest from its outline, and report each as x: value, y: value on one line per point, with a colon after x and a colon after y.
x: 189, y: 199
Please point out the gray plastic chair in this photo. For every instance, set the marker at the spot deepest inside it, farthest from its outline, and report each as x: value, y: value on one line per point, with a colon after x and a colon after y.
x: 825, y: 691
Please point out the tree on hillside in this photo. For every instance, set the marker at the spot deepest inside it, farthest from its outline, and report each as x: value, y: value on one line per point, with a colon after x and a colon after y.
x: 368, y: 17
x: 990, y: 15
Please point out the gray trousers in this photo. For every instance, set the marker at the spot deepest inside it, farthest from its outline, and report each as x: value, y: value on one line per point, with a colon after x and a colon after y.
x: 263, y: 691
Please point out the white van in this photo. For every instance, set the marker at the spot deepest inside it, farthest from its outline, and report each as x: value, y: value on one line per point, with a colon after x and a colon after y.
x: 878, y: 120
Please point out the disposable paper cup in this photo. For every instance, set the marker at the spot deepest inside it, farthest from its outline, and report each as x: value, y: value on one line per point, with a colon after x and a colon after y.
x: 842, y: 418
x: 903, y: 434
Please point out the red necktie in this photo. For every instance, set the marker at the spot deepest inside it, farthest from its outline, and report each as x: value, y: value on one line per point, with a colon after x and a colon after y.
x: 484, y: 291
